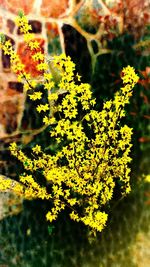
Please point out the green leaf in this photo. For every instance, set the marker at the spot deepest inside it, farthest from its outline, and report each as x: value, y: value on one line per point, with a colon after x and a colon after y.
x: 50, y: 229
x: 21, y: 13
x: 2, y: 38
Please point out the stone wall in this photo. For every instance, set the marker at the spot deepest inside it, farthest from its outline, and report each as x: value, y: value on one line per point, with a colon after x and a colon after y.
x: 40, y: 15
x: 49, y: 19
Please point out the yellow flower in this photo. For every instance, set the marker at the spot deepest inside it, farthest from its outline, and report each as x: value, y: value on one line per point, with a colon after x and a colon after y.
x: 38, y: 56
x: 50, y: 217
x: 78, y: 77
x: 33, y: 45
x: 42, y: 66
x: 28, y: 37
x: 147, y: 178
x: 35, y: 96
x: 36, y: 149
x: 43, y: 108
x: 49, y: 85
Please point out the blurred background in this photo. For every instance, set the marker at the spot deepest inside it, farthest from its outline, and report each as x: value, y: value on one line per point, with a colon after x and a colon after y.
x: 101, y: 37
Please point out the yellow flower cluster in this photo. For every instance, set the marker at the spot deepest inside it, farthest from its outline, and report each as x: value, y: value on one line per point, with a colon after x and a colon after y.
x: 94, y: 148
x: 22, y: 22
x: 16, y: 64
x: 35, y: 96
x: 4, y: 183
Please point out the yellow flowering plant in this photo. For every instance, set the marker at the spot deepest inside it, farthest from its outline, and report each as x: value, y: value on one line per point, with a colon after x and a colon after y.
x: 92, y: 147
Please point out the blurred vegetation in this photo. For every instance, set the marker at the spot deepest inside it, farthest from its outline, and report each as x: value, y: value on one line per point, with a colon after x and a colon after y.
x: 28, y: 240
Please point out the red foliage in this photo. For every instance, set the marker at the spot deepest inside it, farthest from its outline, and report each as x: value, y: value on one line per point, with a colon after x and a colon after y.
x: 126, y: 15
x: 26, y: 57
x: 146, y: 75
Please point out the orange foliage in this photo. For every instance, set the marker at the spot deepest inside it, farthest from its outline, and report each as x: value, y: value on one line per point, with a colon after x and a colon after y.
x: 26, y: 57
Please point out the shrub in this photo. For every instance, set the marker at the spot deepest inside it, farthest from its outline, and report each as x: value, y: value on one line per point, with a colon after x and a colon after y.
x: 92, y: 146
